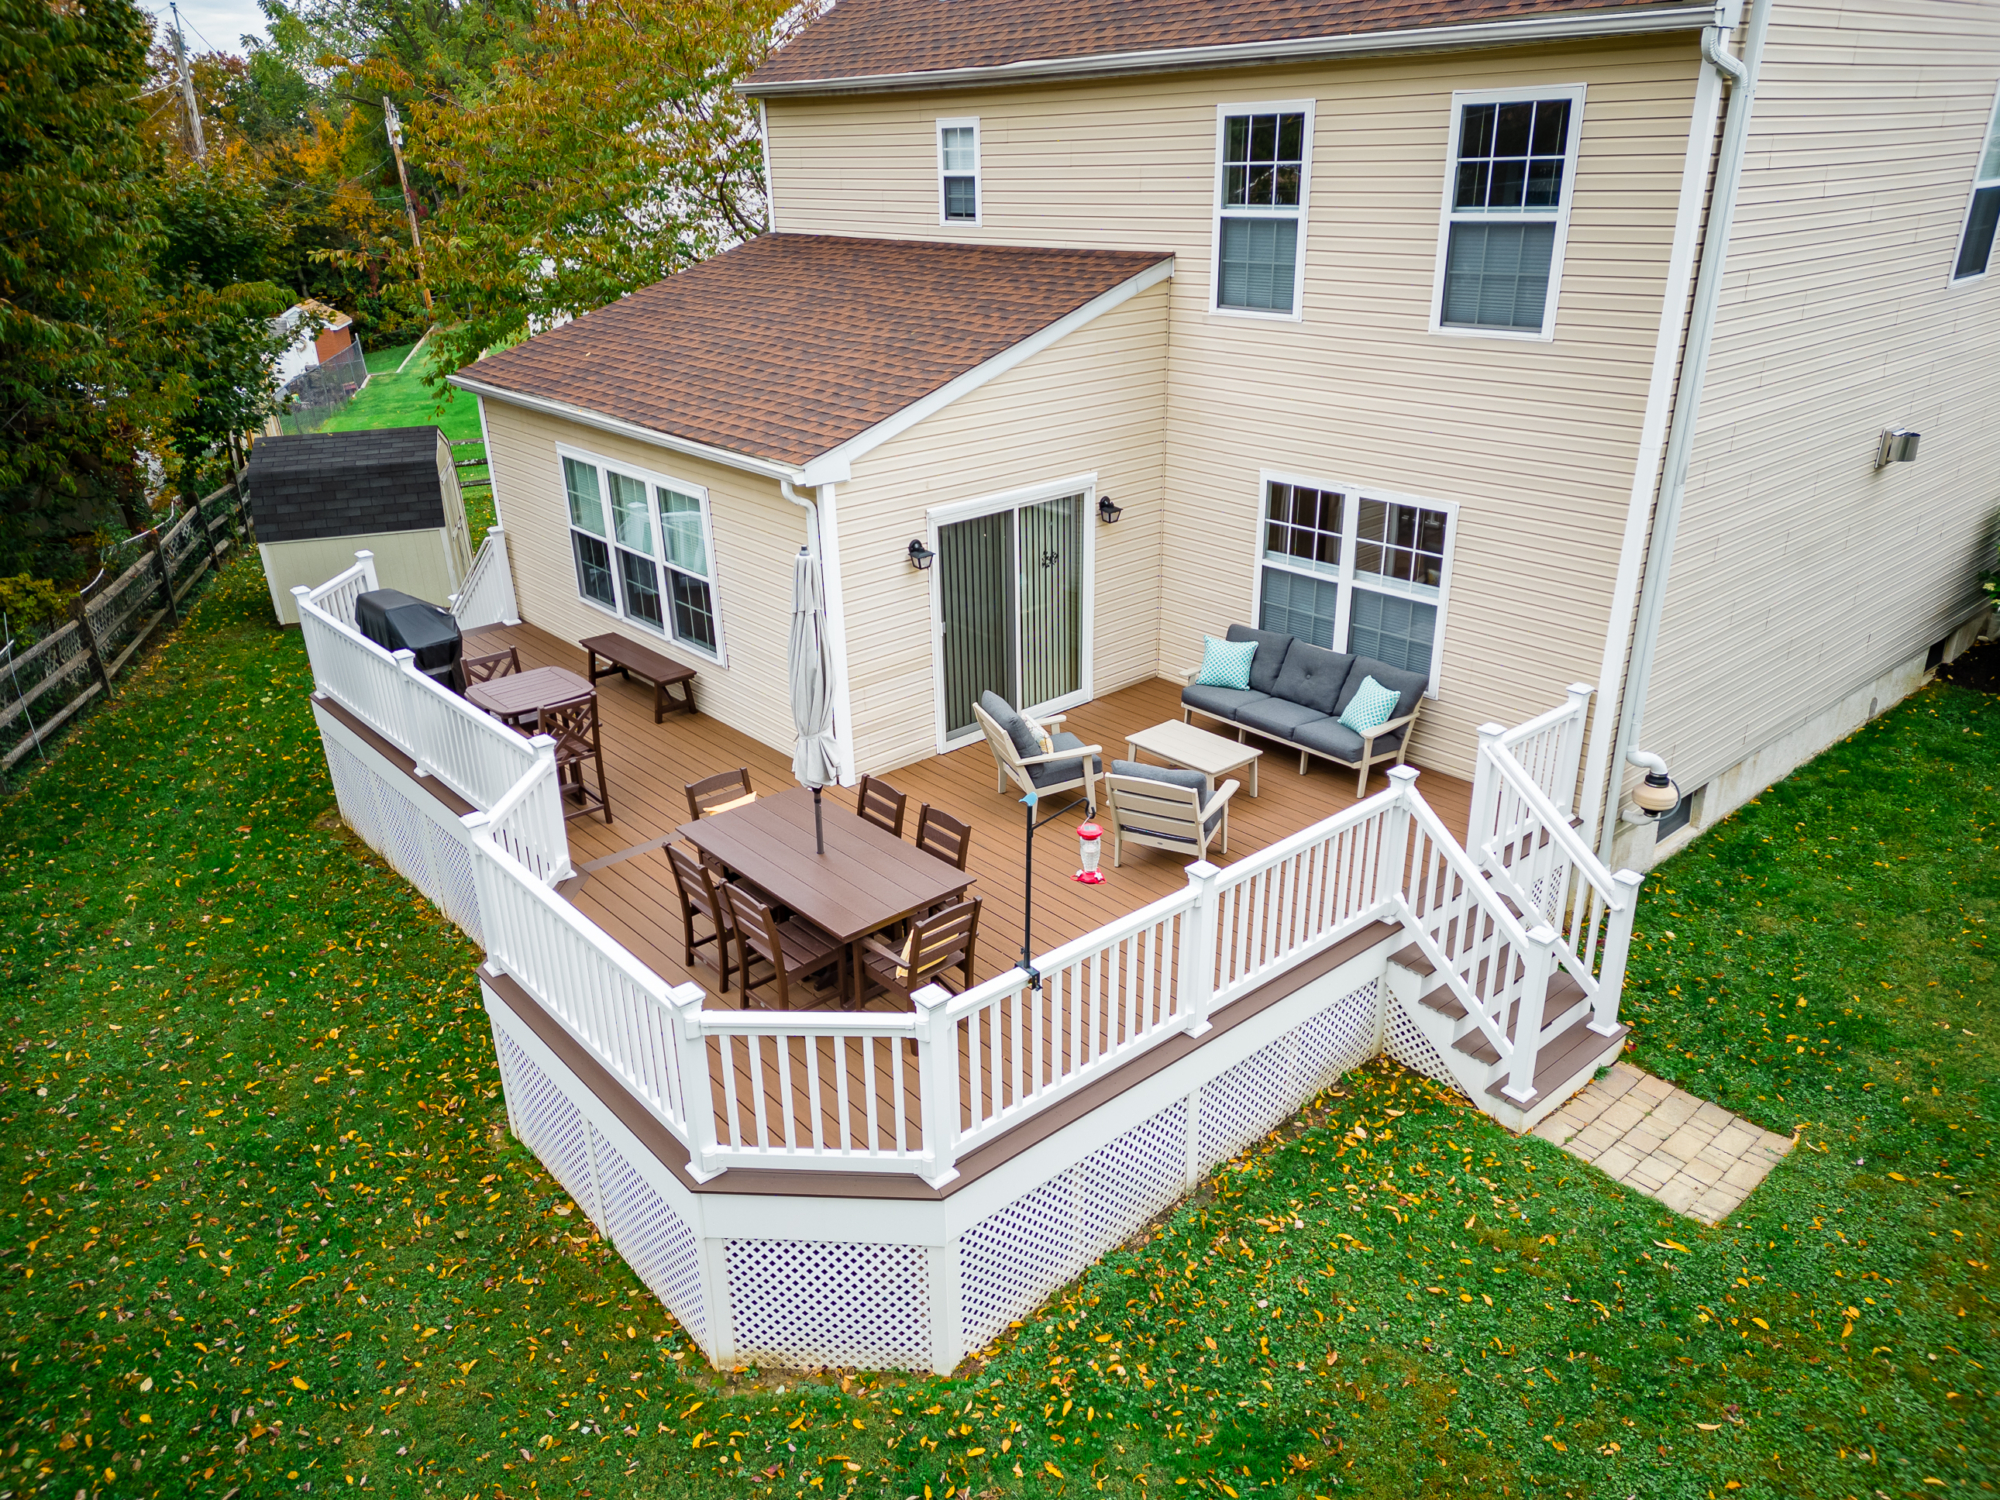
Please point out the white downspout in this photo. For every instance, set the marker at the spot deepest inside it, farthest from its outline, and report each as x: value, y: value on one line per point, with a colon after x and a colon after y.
x: 1687, y: 408
x: 823, y: 537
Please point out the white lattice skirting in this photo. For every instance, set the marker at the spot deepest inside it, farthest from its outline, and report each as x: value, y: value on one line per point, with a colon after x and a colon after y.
x: 796, y: 1280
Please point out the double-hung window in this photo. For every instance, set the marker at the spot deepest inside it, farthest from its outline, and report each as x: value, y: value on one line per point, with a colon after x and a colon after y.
x: 1354, y: 571
x: 1263, y: 158
x: 958, y: 171
x: 1982, y: 214
x: 643, y: 549
x: 1506, y: 210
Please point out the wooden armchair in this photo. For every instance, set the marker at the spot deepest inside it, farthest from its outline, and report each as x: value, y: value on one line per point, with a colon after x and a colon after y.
x: 882, y: 805
x: 1159, y: 813
x: 1066, y: 764
x: 574, y: 726
x: 793, y: 950
x: 700, y: 897
x: 719, y: 793
x: 943, y: 836
x: 486, y: 668
x: 946, y: 939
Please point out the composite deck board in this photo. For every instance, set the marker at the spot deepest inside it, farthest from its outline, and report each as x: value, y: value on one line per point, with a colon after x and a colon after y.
x: 631, y: 894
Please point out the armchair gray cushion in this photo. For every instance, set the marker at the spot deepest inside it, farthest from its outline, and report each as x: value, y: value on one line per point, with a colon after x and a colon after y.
x: 1056, y: 772
x: 1272, y: 648
x: 1276, y: 716
x: 1172, y: 776
x: 1335, y: 741
x: 1001, y: 712
x: 1224, y: 703
x: 1313, y: 676
x: 1409, y: 687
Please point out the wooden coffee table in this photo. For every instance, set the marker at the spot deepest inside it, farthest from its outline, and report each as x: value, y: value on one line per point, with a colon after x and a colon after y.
x: 1194, y: 749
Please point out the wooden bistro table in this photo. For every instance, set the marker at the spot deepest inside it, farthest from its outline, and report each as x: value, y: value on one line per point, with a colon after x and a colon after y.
x: 867, y: 879
x: 523, y: 695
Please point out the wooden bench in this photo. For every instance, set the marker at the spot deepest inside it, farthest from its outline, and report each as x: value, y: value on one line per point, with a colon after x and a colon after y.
x: 628, y: 657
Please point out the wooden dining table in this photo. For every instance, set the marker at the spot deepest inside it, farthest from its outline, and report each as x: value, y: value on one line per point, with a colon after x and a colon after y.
x: 523, y: 695
x: 867, y: 880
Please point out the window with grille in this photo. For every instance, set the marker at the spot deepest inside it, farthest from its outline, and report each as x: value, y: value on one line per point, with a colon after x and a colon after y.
x: 958, y: 171
x: 1263, y: 160
x: 1507, y: 195
x: 1982, y: 213
x: 643, y: 550
x: 1354, y: 572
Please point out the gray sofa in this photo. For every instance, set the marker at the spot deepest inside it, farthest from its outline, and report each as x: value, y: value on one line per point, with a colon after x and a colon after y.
x: 1296, y: 695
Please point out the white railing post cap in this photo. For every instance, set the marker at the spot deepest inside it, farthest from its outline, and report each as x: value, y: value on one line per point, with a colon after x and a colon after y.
x: 1201, y: 869
x: 1490, y: 730
x: 1542, y: 936
x: 300, y: 591
x: 1402, y: 776
x: 931, y: 996
x: 364, y: 555
x: 1582, y: 689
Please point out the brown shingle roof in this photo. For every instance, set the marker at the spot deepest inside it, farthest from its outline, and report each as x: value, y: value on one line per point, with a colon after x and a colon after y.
x: 791, y: 344
x: 879, y: 39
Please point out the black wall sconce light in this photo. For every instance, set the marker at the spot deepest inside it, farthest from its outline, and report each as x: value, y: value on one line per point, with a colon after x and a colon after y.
x: 1106, y: 511
x: 921, y: 557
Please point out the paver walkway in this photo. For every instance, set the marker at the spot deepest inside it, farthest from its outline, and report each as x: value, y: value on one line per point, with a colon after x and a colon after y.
x: 1694, y: 1156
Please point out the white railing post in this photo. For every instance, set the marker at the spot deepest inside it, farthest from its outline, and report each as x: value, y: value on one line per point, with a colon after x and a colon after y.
x: 937, y: 1080
x: 1195, y: 984
x: 691, y: 1065
x: 1485, y: 792
x: 366, y: 559
x: 300, y: 594
x: 1395, y: 855
x: 407, y: 709
x: 1572, y: 746
x: 551, y: 831
x: 1539, y: 962
x: 1617, y: 948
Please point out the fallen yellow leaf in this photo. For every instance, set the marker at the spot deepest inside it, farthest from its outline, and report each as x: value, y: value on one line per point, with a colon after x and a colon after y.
x: 1052, y: 1468
x: 1762, y: 1324
x: 300, y: 1384
x: 1709, y: 1426
x: 1899, y: 1177
x: 1673, y: 1245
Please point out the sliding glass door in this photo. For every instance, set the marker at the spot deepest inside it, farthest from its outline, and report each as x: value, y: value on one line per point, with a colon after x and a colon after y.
x: 1011, y: 608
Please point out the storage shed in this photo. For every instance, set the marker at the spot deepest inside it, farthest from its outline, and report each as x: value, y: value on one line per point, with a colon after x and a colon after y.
x: 320, y: 497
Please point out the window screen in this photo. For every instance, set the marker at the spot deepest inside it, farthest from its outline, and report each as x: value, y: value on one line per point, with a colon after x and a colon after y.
x: 1263, y: 192
x: 1507, y: 192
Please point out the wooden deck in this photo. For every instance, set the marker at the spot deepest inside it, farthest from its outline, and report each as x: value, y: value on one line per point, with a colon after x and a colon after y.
x: 624, y: 884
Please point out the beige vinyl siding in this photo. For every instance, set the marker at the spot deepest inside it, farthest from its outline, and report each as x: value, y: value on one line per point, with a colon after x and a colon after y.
x: 757, y: 535
x: 1536, y: 442
x: 1091, y: 403
x: 1802, y: 573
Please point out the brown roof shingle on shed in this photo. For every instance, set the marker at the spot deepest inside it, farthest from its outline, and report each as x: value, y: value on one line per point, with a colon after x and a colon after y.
x: 879, y: 39
x: 791, y: 344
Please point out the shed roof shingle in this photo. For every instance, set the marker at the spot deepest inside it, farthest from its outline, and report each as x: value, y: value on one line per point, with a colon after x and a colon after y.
x: 324, y: 484
x: 790, y: 344
x: 880, y: 39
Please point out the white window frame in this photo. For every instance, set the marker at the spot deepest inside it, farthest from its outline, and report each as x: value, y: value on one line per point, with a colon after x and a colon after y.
x: 1574, y: 92
x: 937, y: 517
x: 1223, y: 113
x: 1344, y: 576
x: 655, y: 481
x: 1965, y: 219
x: 961, y: 122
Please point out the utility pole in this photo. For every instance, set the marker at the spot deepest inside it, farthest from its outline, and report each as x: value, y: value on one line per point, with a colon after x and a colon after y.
x: 394, y: 124
x: 187, y: 88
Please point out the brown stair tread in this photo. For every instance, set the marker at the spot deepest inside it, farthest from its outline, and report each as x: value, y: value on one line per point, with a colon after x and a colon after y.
x: 1412, y: 958
x: 1561, y: 1060
x: 1564, y: 992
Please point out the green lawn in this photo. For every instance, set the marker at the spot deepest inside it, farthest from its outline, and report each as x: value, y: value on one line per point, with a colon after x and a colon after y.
x: 393, y: 400
x: 268, y: 1228
x: 385, y: 361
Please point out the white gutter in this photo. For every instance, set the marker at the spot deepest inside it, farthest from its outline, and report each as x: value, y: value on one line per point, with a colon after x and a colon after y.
x: 1687, y: 407
x: 1537, y: 29
x: 823, y: 538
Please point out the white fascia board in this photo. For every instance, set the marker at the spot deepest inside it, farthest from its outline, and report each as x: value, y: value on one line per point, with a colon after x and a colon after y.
x: 835, y: 466
x: 583, y: 416
x: 1535, y: 29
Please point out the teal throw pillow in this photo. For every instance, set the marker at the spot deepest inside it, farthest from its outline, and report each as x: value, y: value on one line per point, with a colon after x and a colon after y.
x: 1371, y: 707
x: 1225, y: 664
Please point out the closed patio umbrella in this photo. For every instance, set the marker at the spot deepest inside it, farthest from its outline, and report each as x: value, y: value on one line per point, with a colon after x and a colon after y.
x: 812, y: 695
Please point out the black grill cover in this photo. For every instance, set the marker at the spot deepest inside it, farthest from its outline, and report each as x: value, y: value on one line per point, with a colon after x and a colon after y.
x: 396, y: 622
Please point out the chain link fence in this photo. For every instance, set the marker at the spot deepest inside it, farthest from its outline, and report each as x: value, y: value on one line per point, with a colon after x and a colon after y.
x: 307, y: 402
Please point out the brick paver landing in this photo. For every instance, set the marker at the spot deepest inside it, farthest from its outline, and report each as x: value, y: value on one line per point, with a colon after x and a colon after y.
x: 1694, y: 1156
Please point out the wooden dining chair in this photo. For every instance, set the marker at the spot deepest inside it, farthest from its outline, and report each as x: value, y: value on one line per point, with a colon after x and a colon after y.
x: 882, y: 805
x: 486, y: 668
x: 700, y: 897
x: 942, y: 835
x: 793, y: 949
x: 719, y: 793
x: 574, y: 727
x: 944, y: 940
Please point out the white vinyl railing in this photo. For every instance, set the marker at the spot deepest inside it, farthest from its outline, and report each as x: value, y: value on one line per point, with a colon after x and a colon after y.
x: 486, y: 597
x: 477, y: 756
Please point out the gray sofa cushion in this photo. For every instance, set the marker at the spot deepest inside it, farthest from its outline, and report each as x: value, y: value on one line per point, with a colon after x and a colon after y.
x: 1222, y: 702
x: 1172, y: 776
x: 1001, y: 712
x: 1276, y: 716
x: 1272, y: 648
x: 1058, y: 771
x: 1409, y: 686
x: 1313, y: 676
x: 1334, y: 740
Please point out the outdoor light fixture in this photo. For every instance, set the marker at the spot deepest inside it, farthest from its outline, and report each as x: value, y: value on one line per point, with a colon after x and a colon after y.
x: 921, y: 557
x: 1106, y: 511
x: 1898, y: 446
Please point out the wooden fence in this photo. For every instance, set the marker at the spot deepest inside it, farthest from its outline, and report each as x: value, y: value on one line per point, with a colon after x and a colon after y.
x: 141, y: 590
